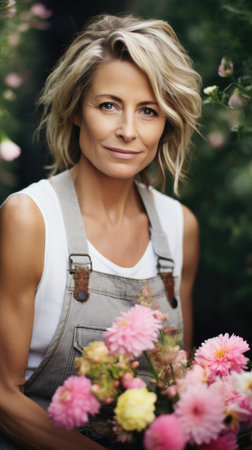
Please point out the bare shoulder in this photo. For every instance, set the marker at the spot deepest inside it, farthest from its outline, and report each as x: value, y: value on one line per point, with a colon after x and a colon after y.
x: 191, y: 224
x: 20, y: 207
x: 189, y: 270
x: 22, y: 234
x: 190, y: 241
x: 20, y: 217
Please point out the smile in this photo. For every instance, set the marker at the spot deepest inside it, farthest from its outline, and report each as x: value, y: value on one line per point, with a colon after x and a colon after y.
x: 122, y: 153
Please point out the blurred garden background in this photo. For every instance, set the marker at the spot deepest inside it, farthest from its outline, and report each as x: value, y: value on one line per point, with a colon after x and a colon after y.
x: 217, y: 35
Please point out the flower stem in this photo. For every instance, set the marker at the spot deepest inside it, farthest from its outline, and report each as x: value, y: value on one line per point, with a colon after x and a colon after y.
x: 151, y: 365
x: 162, y: 338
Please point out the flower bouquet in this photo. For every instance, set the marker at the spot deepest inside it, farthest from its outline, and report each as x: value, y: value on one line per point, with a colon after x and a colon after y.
x: 200, y: 403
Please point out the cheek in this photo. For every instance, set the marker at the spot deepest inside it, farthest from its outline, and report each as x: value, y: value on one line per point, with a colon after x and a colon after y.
x: 98, y: 129
x: 152, y: 136
x: 92, y: 132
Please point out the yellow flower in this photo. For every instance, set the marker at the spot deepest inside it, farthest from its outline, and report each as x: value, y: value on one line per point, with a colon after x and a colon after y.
x: 96, y: 352
x: 82, y: 366
x: 135, y: 409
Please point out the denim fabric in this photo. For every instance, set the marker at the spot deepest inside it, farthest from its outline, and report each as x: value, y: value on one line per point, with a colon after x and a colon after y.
x: 82, y: 323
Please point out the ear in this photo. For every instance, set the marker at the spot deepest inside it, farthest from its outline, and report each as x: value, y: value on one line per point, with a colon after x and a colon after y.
x: 76, y: 118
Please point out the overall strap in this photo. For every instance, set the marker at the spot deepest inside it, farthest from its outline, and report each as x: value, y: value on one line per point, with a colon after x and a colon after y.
x: 79, y: 260
x: 165, y: 264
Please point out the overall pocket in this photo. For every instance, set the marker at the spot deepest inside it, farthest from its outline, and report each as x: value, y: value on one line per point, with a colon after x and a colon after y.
x: 82, y: 336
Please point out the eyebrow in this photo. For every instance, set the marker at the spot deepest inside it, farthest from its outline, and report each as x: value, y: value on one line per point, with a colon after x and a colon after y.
x: 118, y: 99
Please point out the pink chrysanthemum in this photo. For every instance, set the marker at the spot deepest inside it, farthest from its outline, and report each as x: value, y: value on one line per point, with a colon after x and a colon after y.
x: 226, y: 442
x: 165, y: 433
x: 72, y: 403
x: 133, y: 332
x: 237, y: 403
x: 201, y: 413
x: 223, y: 354
x: 196, y: 375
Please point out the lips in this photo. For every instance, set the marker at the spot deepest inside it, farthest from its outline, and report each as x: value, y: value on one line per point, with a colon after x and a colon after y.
x: 122, y: 153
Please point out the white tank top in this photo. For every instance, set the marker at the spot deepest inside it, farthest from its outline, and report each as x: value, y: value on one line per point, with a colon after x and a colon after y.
x: 51, y: 288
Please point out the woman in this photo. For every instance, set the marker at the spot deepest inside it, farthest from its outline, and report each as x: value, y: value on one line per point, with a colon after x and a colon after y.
x: 123, y: 96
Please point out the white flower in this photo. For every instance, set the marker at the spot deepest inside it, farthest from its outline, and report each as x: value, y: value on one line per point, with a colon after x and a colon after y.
x: 23, y: 27
x: 9, y: 150
x: 243, y: 382
x: 8, y: 94
x: 208, y: 90
x: 14, y: 39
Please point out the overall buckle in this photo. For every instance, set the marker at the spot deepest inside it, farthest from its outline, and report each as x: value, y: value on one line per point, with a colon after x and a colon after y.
x: 81, y: 272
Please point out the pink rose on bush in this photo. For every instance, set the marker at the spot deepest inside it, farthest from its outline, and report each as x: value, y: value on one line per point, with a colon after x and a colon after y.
x: 226, y: 68
x: 9, y: 150
x: 13, y: 80
x: 38, y: 9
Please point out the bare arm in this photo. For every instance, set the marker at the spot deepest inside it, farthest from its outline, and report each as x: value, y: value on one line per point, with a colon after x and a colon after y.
x: 21, y: 259
x: 189, y: 270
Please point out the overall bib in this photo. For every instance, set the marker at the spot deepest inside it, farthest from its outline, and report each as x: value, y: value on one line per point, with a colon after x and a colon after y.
x: 93, y: 299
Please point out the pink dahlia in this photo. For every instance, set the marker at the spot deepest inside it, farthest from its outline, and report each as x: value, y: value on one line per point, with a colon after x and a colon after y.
x: 72, y: 403
x: 238, y: 408
x: 222, y: 354
x: 133, y: 332
x: 196, y: 375
x: 165, y: 433
x: 201, y: 413
x: 226, y: 442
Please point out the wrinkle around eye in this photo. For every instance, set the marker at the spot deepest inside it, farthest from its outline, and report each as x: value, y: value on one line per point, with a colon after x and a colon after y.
x: 104, y: 106
x: 152, y: 114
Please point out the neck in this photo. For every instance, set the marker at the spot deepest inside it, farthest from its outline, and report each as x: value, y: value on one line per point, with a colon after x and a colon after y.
x: 103, y: 197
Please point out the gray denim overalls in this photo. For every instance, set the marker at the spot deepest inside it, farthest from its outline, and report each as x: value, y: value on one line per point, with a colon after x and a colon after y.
x: 94, y: 299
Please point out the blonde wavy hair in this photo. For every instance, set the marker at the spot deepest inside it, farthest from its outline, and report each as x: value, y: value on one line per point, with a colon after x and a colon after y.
x: 154, y: 47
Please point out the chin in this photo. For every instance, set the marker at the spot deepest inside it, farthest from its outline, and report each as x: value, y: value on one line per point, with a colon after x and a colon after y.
x: 119, y: 173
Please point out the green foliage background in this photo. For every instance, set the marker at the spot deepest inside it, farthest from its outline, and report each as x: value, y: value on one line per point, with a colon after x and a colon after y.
x: 21, y: 53
x: 220, y: 175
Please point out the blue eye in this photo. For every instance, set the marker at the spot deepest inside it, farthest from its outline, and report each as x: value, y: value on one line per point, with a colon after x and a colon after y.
x: 149, y: 112
x: 108, y: 106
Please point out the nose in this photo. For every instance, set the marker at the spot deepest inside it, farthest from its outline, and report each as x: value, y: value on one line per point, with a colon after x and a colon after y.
x: 126, y: 129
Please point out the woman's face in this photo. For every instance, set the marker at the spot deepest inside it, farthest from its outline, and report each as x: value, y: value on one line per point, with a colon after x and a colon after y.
x: 120, y: 121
